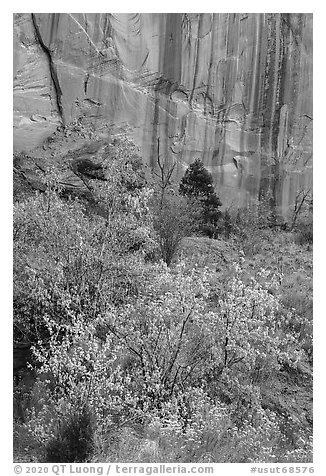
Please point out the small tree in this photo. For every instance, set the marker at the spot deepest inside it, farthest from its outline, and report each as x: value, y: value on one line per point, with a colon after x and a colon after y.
x: 174, y: 217
x: 227, y: 224
x: 197, y: 184
x: 302, y: 206
x: 197, y: 181
x: 173, y: 220
x: 165, y: 175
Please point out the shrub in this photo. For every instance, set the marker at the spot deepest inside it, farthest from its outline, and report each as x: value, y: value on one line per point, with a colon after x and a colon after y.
x: 304, y: 232
x: 73, y: 440
x: 250, y: 226
x: 197, y: 185
x: 183, y: 361
x: 227, y: 224
x: 197, y: 181
x: 67, y: 261
x: 173, y: 219
x: 139, y: 361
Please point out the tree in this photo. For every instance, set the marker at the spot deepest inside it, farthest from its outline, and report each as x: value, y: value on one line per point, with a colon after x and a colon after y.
x: 197, y: 184
x: 173, y: 219
x: 302, y: 205
x: 197, y: 181
x: 165, y: 174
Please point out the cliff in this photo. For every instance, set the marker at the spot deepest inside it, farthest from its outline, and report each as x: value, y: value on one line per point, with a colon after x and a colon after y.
x: 234, y: 90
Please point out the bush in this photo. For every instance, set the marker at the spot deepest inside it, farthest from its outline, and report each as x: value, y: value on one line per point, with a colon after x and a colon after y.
x: 187, y: 338
x: 197, y: 185
x: 73, y: 441
x: 67, y: 261
x: 173, y: 219
x: 139, y: 361
x: 227, y: 224
x: 304, y: 233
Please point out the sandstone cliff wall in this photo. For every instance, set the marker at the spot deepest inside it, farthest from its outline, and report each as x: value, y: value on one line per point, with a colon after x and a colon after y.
x: 232, y: 89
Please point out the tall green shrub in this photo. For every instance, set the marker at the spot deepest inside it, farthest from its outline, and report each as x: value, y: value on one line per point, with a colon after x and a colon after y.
x: 197, y: 184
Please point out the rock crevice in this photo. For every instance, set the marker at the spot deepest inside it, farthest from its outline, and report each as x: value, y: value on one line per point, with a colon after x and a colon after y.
x: 54, y: 76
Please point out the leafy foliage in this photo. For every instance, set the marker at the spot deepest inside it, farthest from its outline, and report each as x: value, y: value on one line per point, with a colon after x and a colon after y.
x: 68, y: 261
x: 140, y: 359
x: 73, y: 442
x: 197, y: 183
x: 147, y: 360
x: 174, y: 218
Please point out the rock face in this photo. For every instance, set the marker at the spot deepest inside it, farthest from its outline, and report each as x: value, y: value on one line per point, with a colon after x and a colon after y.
x: 234, y: 90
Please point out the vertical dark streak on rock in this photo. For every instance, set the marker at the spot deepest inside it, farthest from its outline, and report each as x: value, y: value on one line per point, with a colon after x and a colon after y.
x: 172, y: 57
x: 86, y: 22
x: 86, y: 82
x: 172, y: 71
x: 208, y: 87
x: 270, y: 84
x: 222, y: 113
x: 283, y: 73
x: 274, y: 89
x: 197, y: 51
x: 54, y: 76
x: 262, y: 57
x: 208, y: 94
x: 280, y: 65
x: 246, y: 96
x: 267, y: 81
x: 296, y: 62
x: 154, y: 151
x: 292, y: 79
x: 107, y: 27
x: 277, y: 133
x: 257, y: 91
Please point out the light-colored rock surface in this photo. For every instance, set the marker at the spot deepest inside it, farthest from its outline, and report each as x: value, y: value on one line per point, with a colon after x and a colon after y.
x: 232, y: 89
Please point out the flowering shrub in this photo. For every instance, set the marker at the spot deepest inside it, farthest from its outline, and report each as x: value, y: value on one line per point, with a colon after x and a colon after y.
x: 178, y: 362
x: 173, y: 219
x: 141, y: 361
x: 67, y: 261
